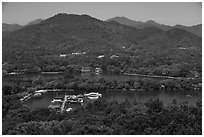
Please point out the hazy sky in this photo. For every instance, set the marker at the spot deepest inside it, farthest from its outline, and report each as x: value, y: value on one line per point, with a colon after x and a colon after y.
x: 166, y: 13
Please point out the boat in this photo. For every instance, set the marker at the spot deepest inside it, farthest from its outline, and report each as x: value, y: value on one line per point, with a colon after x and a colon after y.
x: 56, y: 100
x: 68, y: 109
x: 26, y: 97
x: 37, y: 94
x: 41, y: 91
x: 14, y: 73
x: 93, y: 95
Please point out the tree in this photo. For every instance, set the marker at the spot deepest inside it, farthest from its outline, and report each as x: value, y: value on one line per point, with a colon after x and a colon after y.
x: 154, y: 106
x: 34, y: 128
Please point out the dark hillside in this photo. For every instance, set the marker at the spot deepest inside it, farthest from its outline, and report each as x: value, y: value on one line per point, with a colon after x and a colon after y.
x: 71, y: 31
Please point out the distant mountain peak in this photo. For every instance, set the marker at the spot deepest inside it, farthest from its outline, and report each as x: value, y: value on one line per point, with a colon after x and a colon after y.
x: 120, y: 18
x: 36, y: 21
x: 125, y: 21
x: 10, y: 27
x: 151, y: 22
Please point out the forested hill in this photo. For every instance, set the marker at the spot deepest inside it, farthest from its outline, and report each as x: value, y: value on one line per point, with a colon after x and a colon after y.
x: 67, y: 33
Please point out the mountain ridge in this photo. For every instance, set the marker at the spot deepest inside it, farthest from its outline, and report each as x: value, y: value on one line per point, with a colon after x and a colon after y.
x: 196, y: 29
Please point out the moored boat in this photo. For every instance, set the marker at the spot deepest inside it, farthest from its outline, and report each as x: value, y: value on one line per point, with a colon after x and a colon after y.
x: 37, y: 94
x: 93, y: 95
x: 56, y: 100
x: 68, y: 109
x: 41, y: 91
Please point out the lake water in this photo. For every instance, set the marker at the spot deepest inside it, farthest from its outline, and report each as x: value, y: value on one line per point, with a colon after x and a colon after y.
x: 119, y: 96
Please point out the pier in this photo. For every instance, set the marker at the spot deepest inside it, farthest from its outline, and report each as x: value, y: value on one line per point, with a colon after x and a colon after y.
x: 64, y: 102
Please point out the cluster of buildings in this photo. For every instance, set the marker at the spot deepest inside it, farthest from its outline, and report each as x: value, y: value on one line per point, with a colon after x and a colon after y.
x: 65, y: 103
x: 96, y: 70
